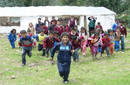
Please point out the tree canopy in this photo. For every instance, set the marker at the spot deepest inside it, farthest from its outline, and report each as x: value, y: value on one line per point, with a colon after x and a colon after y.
x: 118, y: 6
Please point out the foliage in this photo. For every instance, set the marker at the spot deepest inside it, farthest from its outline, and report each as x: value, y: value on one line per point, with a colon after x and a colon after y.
x: 118, y: 6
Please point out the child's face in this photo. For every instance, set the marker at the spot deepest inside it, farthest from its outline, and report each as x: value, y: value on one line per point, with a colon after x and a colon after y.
x: 58, y: 23
x: 24, y: 35
x: 42, y: 33
x: 50, y: 35
x: 65, y: 39
x: 73, y: 31
x: 106, y: 36
x: 111, y: 33
x: 96, y: 36
x: 14, y: 32
x: 82, y: 30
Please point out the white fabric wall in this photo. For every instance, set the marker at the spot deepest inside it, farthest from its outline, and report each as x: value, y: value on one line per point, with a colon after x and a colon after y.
x: 105, y: 20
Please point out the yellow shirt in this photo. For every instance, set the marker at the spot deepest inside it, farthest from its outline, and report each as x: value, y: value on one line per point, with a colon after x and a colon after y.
x: 41, y: 38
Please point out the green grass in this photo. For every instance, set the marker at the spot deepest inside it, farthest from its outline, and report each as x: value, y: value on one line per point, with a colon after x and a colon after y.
x: 39, y: 71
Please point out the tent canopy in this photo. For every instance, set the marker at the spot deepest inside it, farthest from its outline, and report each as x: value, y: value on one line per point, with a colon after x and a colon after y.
x: 54, y: 11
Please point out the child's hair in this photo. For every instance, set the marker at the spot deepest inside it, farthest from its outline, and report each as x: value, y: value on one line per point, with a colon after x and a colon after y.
x: 102, y: 31
x: 23, y: 32
x: 51, y: 32
x: 73, y: 29
x: 96, y: 34
x: 106, y: 33
x: 13, y: 30
x: 43, y: 24
x: 110, y: 30
x: 83, y: 28
x: 98, y: 23
x: 39, y: 18
x: 64, y: 34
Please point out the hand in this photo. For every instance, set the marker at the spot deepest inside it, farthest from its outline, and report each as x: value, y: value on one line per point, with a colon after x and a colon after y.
x: 72, y: 51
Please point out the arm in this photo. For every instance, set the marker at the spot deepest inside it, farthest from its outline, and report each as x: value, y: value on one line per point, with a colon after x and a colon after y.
x: 44, y: 43
x: 54, y: 49
x: 9, y: 37
x: 125, y: 32
x: 37, y: 38
x: 15, y: 38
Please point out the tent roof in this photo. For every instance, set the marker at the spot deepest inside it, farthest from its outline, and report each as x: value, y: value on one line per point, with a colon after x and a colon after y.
x: 54, y: 11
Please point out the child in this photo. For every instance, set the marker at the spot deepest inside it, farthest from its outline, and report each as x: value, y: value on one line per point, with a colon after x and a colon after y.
x: 94, y: 47
x: 64, y: 56
x: 40, y: 37
x: 76, y: 43
x: 73, y: 34
x: 58, y: 27
x: 26, y: 44
x: 12, y: 37
x: 83, y: 36
x: 117, y: 39
x: 106, y: 44
x: 101, y: 34
x: 45, y: 28
x: 48, y: 43
x: 111, y: 36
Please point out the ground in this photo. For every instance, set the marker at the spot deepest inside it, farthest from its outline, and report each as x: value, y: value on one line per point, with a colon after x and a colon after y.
x: 39, y: 70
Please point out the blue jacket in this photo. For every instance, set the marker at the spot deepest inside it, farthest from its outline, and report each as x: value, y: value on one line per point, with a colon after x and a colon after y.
x: 64, y: 54
x: 12, y: 37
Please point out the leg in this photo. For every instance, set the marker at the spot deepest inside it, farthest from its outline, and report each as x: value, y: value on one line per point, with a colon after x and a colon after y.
x: 122, y: 43
x: 108, y: 51
x: 111, y: 48
x: 29, y: 52
x: 118, y: 46
x: 60, y: 68
x: 66, y: 68
x: 76, y: 53
x: 23, y: 57
x: 40, y: 47
x: 12, y: 44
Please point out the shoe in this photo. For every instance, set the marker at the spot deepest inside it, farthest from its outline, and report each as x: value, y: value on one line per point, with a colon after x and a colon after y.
x: 66, y: 82
x: 23, y: 65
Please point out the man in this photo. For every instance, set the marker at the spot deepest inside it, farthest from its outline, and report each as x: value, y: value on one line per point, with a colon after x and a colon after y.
x: 38, y: 26
x: 91, y: 25
x: 46, y: 22
x: 123, y: 32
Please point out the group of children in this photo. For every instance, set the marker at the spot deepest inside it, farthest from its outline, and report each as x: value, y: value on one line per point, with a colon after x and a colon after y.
x: 67, y: 40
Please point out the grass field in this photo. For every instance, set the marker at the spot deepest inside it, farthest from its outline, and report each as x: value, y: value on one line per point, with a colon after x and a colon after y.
x: 39, y: 70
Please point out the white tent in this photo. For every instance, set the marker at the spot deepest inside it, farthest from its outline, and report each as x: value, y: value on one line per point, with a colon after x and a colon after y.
x: 30, y: 14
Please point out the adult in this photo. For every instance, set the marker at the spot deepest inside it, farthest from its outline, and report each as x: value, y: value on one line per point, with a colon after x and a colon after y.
x: 92, y: 21
x: 38, y: 26
x: 46, y: 22
x: 123, y: 32
x: 31, y: 29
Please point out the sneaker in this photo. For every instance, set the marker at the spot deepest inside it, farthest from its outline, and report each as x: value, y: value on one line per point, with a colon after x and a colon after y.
x: 66, y: 82
x: 23, y: 65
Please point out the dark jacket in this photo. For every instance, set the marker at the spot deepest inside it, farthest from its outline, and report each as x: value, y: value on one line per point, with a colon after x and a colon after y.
x: 64, y: 54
